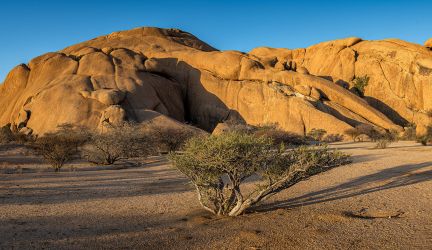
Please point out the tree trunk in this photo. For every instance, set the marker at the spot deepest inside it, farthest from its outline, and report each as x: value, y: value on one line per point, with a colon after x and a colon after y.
x: 201, y: 203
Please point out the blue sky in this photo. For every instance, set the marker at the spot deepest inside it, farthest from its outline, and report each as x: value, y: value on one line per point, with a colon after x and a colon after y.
x: 31, y: 28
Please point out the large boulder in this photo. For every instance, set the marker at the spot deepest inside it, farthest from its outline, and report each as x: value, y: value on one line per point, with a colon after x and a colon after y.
x: 138, y: 74
x: 400, y: 73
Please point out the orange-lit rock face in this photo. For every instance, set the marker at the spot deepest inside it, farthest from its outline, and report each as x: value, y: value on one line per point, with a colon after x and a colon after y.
x: 128, y: 75
x: 428, y: 43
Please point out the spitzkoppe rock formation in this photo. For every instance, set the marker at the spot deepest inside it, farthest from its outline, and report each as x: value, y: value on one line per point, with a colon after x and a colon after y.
x: 147, y: 72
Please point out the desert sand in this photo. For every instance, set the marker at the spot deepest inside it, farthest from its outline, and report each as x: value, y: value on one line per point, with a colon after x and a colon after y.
x: 383, y: 200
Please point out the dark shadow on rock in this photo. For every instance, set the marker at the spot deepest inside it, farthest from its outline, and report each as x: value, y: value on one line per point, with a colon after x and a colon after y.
x: 329, y: 110
x: 202, y: 107
x: 386, y: 110
x: 328, y: 78
x: 342, y: 83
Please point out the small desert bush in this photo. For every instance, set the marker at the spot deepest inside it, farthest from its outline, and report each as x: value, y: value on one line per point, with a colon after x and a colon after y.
x: 423, y: 140
x: 360, y: 84
x: 370, y: 131
x: 279, y: 136
x: 354, y: 133
x: 218, y: 165
x: 59, y: 147
x: 6, y: 134
x: 169, y: 139
x: 427, y: 137
x: 409, y: 133
x: 333, y: 138
x: 317, y: 134
x: 386, y: 139
x: 382, y: 143
x: 364, y: 129
x: 118, y: 142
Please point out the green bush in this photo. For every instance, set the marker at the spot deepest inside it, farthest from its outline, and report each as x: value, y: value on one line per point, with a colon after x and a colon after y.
x: 219, y: 165
x: 360, y: 84
x: 317, y: 134
x: 271, y: 131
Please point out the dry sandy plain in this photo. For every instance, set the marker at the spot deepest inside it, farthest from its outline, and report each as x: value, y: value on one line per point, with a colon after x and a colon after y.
x: 383, y: 200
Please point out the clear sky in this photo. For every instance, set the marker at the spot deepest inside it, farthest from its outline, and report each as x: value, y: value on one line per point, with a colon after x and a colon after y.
x: 31, y: 28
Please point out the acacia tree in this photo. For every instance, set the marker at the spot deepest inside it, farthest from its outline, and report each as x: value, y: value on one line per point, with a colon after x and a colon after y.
x: 118, y: 142
x: 170, y: 138
x: 219, y: 165
x: 61, y: 146
x: 354, y: 133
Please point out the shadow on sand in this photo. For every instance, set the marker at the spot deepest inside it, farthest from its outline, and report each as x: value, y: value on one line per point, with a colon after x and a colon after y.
x: 402, y: 175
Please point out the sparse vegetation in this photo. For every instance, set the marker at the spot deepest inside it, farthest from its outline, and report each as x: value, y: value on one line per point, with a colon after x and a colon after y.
x: 382, y: 143
x: 354, y: 133
x: 363, y: 129
x: 382, y: 137
x: 8, y: 135
x: 409, y: 132
x: 386, y: 139
x: 317, y: 134
x: 169, y: 138
x: 279, y: 136
x: 59, y: 147
x: 219, y: 165
x: 427, y: 137
x: 333, y: 138
x: 370, y: 131
x: 360, y: 84
x: 118, y: 142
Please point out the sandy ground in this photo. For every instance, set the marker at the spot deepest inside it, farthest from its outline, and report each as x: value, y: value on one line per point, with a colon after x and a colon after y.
x: 152, y: 206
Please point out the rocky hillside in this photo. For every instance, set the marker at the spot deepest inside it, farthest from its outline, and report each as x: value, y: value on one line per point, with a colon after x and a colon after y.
x: 148, y: 72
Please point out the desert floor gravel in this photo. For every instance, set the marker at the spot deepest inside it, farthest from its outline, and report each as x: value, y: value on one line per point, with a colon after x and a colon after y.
x: 383, y: 200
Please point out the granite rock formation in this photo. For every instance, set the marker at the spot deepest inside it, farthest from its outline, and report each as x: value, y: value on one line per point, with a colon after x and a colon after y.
x: 133, y: 75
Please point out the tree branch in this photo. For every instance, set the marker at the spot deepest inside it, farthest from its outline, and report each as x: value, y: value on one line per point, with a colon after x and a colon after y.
x: 201, y: 202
